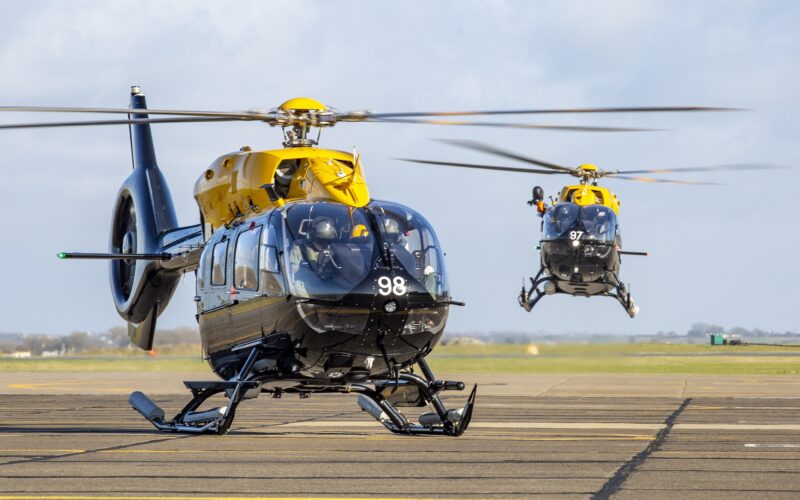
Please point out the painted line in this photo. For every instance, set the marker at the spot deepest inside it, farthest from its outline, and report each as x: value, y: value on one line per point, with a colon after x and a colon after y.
x: 568, y: 425
x: 738, y: 427
x: 766, y: 407
x: 141, y: 497
x: 43, y: 451
x: 493, y: 425
x: 355, y: 424
x: 770, y: 445
x: 766, y: 397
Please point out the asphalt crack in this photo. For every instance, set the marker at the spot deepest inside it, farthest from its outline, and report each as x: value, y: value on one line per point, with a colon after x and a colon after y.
x: 615, y: 483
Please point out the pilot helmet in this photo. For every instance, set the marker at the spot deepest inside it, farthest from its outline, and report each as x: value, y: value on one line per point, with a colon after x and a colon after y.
x: 391, y: 230
x: 322, y: 232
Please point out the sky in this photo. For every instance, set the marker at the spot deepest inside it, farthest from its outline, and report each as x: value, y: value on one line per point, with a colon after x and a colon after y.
x: 719, y: 254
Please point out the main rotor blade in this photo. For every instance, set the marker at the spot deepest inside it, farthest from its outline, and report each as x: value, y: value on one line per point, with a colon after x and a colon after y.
x: 226, y: 114
x: 483, y: 167
x: 133, y: 121
x: 644, y: 109
x: 710, y: 168
x: 489, y: 149
x: 665, y: 181
x: 567, y: 128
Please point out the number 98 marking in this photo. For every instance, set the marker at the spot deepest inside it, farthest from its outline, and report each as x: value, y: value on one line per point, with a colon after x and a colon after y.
x: 387, y: 286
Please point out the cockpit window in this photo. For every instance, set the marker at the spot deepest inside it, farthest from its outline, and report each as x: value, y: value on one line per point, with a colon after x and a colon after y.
x: 412, y: 244
x: 599, y: 223
x: 271, y: 279
x: 559, y: 220
x: 570, y: 221
x: 332, y: 250
x: 329, y: 249
x: 218, y: 262
x: 245, y: 260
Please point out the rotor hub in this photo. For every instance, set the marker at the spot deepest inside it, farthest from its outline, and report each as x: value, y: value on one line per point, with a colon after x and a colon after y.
x: 301, y: 114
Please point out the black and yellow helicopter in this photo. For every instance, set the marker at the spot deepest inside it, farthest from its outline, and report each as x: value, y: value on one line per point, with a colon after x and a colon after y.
x: 305, y: 284
x: 581, y: 246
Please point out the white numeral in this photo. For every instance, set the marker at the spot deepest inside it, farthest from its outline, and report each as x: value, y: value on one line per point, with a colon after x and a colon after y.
x: 388, y: 286
x: 575, y: 235
x: 399, y: 286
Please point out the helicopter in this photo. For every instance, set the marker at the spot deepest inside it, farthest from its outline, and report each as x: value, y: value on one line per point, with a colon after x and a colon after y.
x: 581, y: 245
x: 304, y: 283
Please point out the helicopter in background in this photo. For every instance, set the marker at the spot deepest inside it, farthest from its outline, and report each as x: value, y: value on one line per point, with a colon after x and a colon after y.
x: 304, y: 283
x: 581, y: 245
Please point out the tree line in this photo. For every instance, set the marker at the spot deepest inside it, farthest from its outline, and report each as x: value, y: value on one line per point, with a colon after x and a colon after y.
x: 113, y: 339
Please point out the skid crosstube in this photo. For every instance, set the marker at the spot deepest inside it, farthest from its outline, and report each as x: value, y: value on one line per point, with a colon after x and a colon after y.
x: 440, y: 422
x: 530, y: 297
x: 216, y: 420
x: 380, y: 401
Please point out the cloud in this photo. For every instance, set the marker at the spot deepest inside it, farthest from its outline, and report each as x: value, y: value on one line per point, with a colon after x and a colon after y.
x: 59, y: 185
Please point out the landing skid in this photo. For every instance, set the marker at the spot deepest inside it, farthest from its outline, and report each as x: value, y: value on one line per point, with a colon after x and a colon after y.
x: 380, y: 401
x: 216, y: 420
x: 546, y: 285
x: 439, y: 422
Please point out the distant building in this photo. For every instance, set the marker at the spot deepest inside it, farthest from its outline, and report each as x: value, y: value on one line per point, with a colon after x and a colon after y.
x: 724, y: 339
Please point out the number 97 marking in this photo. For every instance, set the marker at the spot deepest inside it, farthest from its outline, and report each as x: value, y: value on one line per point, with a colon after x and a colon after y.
x: 387, y: 286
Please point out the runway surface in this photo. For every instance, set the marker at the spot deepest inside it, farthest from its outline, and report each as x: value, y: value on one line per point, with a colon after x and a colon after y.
x: 549, y: 436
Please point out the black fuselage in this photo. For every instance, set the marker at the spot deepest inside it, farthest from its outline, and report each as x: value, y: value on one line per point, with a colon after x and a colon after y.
x: 580, y: 248
x: 361, y: 304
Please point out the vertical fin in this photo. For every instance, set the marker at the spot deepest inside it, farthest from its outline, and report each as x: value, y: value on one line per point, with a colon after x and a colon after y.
x: 142, y: 334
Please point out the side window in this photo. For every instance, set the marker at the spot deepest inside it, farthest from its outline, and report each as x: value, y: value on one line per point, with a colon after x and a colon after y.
x: 271, y: 280
x: 245, y: 260
x: 218, y: 262
x: 200, y: 272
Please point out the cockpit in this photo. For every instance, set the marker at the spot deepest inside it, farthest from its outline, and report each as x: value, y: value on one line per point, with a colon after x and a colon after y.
x: 332, y: 250
x: 567, y: 221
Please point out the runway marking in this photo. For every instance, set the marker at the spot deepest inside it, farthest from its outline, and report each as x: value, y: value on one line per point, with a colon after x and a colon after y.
x: 604, y: 437
x: 63, y: 386
x: 766, y: 397
x: 45, y: 458
x: 738, y: 427
x: 572, y: 425
x: 194, y: 497
x: 770, y: 445
x: 766, y: 407
x: 494, y: 425
x: 347, y: 424
x: 18, y: 450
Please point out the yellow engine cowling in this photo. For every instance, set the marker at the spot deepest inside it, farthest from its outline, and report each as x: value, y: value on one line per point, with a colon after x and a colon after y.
x: 588, y: 194
x: 233, y: 184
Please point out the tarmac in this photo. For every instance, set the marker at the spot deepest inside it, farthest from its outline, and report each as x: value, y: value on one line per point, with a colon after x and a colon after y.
x: 73, y: 435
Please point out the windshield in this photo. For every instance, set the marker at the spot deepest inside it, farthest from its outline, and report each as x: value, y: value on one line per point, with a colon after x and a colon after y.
x: 599, y: 223
x: 329, y: 249
x: 412, y: 245
x: 332, y: 250
x: 569, y: 221
x: 559, y: 220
